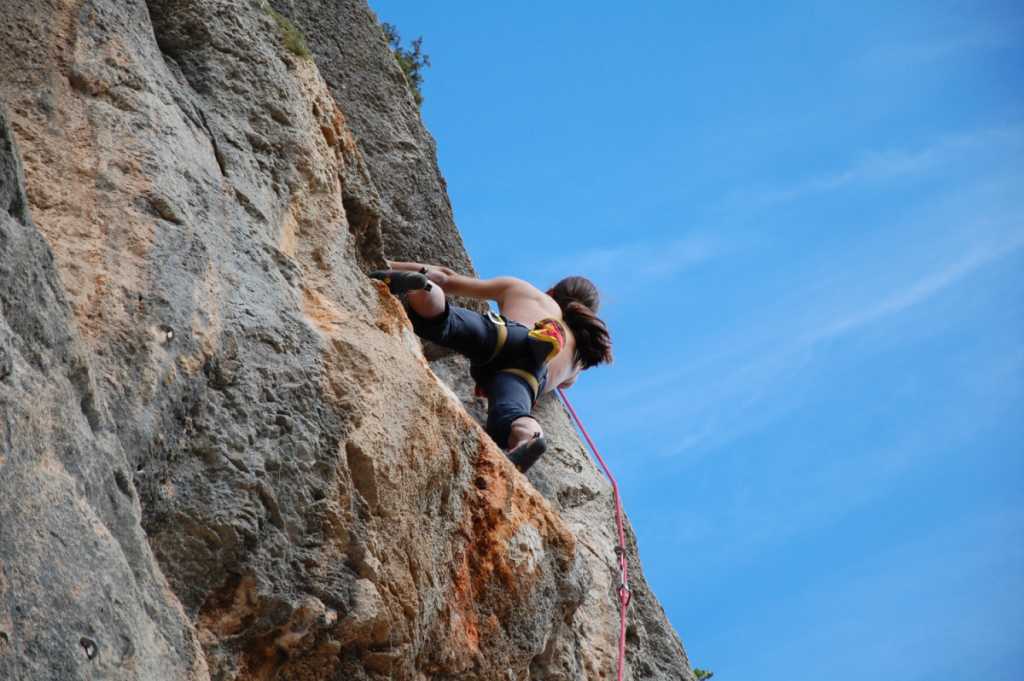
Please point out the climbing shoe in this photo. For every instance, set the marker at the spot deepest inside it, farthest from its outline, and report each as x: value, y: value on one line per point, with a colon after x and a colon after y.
x: 526, y: 454
x: 402, y: 282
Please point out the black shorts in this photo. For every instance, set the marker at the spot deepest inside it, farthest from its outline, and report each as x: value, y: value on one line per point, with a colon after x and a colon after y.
x: 511, y: 372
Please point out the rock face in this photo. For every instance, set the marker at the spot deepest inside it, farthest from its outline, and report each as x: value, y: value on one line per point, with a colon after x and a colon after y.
x: 223, y: 453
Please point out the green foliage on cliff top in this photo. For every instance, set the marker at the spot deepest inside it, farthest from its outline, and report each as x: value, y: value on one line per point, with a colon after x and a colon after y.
x: 702, y: 674
x: 292, y: 36
x: 412, y: 60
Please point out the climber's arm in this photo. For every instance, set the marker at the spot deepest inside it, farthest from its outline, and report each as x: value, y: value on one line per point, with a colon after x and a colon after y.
x: 468, y: 287
x: 417, y: 267
x: 496, y: 289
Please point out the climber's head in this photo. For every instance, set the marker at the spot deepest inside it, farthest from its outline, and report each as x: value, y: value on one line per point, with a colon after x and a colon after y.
x: 579, y: 300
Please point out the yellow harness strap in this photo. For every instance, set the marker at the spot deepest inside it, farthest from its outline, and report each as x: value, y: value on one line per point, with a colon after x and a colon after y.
x: 499, y: 324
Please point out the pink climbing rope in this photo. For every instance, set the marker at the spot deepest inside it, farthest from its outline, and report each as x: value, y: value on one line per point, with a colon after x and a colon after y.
x: 620, y: 550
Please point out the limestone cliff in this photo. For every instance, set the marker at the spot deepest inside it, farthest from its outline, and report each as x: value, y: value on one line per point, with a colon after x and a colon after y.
x: 223, y: 453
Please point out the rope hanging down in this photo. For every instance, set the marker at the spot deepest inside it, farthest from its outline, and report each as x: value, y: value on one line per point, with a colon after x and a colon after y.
x: 620, y: 550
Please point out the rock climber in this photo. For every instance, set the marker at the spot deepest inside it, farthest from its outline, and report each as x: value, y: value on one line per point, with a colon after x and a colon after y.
x: 540, y: 341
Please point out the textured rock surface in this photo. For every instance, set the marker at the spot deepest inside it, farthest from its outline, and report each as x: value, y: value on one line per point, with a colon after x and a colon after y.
x: 79, y: 589
x: 349, y: 48
x: 224, y: 454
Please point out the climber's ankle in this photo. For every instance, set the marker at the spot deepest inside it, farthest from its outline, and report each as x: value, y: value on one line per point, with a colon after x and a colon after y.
x: 524, y: 428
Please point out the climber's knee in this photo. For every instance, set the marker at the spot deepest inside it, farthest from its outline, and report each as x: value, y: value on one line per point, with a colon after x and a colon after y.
x: 428, y: 303
x: 509, y: 402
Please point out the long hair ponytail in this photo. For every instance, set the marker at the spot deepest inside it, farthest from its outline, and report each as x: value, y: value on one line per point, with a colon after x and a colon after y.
x: 579, y: 300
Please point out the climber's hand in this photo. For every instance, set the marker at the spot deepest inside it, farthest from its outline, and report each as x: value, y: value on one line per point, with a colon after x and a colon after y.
x: 438, y: 275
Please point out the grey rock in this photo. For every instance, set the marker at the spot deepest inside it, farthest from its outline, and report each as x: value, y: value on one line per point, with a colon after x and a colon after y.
x: 348, y: 45
x: 6, y: 360
x: 223, y: 452
x: 80, y: 594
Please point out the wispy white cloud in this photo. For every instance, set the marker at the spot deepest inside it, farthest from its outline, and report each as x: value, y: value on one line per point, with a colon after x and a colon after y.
x: 743, y: 379
x: 911, y: 54
x: 645, y: 259
x: 873, y: 166
x: 641, y: 259
x: 877, y: 166
x: 708, y: 404
x: 919, y: 290
x: 935, y: 627
x: 815, y: 486
x: 756, y: 376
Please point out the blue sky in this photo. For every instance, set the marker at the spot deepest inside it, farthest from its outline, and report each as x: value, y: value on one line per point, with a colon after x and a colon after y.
x: 808, y: 224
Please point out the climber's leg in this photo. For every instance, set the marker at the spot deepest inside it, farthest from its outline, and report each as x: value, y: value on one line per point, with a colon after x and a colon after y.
x: 509, y: 423
x: 427, y: 303
x: 467, y: 332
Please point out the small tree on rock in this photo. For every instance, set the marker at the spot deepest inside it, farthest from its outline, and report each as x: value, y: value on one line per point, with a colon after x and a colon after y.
x: 411, y: 60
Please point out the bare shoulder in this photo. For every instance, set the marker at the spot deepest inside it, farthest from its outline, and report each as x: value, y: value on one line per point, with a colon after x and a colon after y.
x: 516, y: 283
x: 518, y: 288
x: 526, y: 303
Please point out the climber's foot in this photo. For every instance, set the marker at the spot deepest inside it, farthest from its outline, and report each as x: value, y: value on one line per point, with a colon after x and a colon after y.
x: 526, y: 454
x: 402, y: 282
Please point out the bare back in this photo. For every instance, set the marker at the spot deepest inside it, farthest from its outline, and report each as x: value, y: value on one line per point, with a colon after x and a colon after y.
x: 527, y: 305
